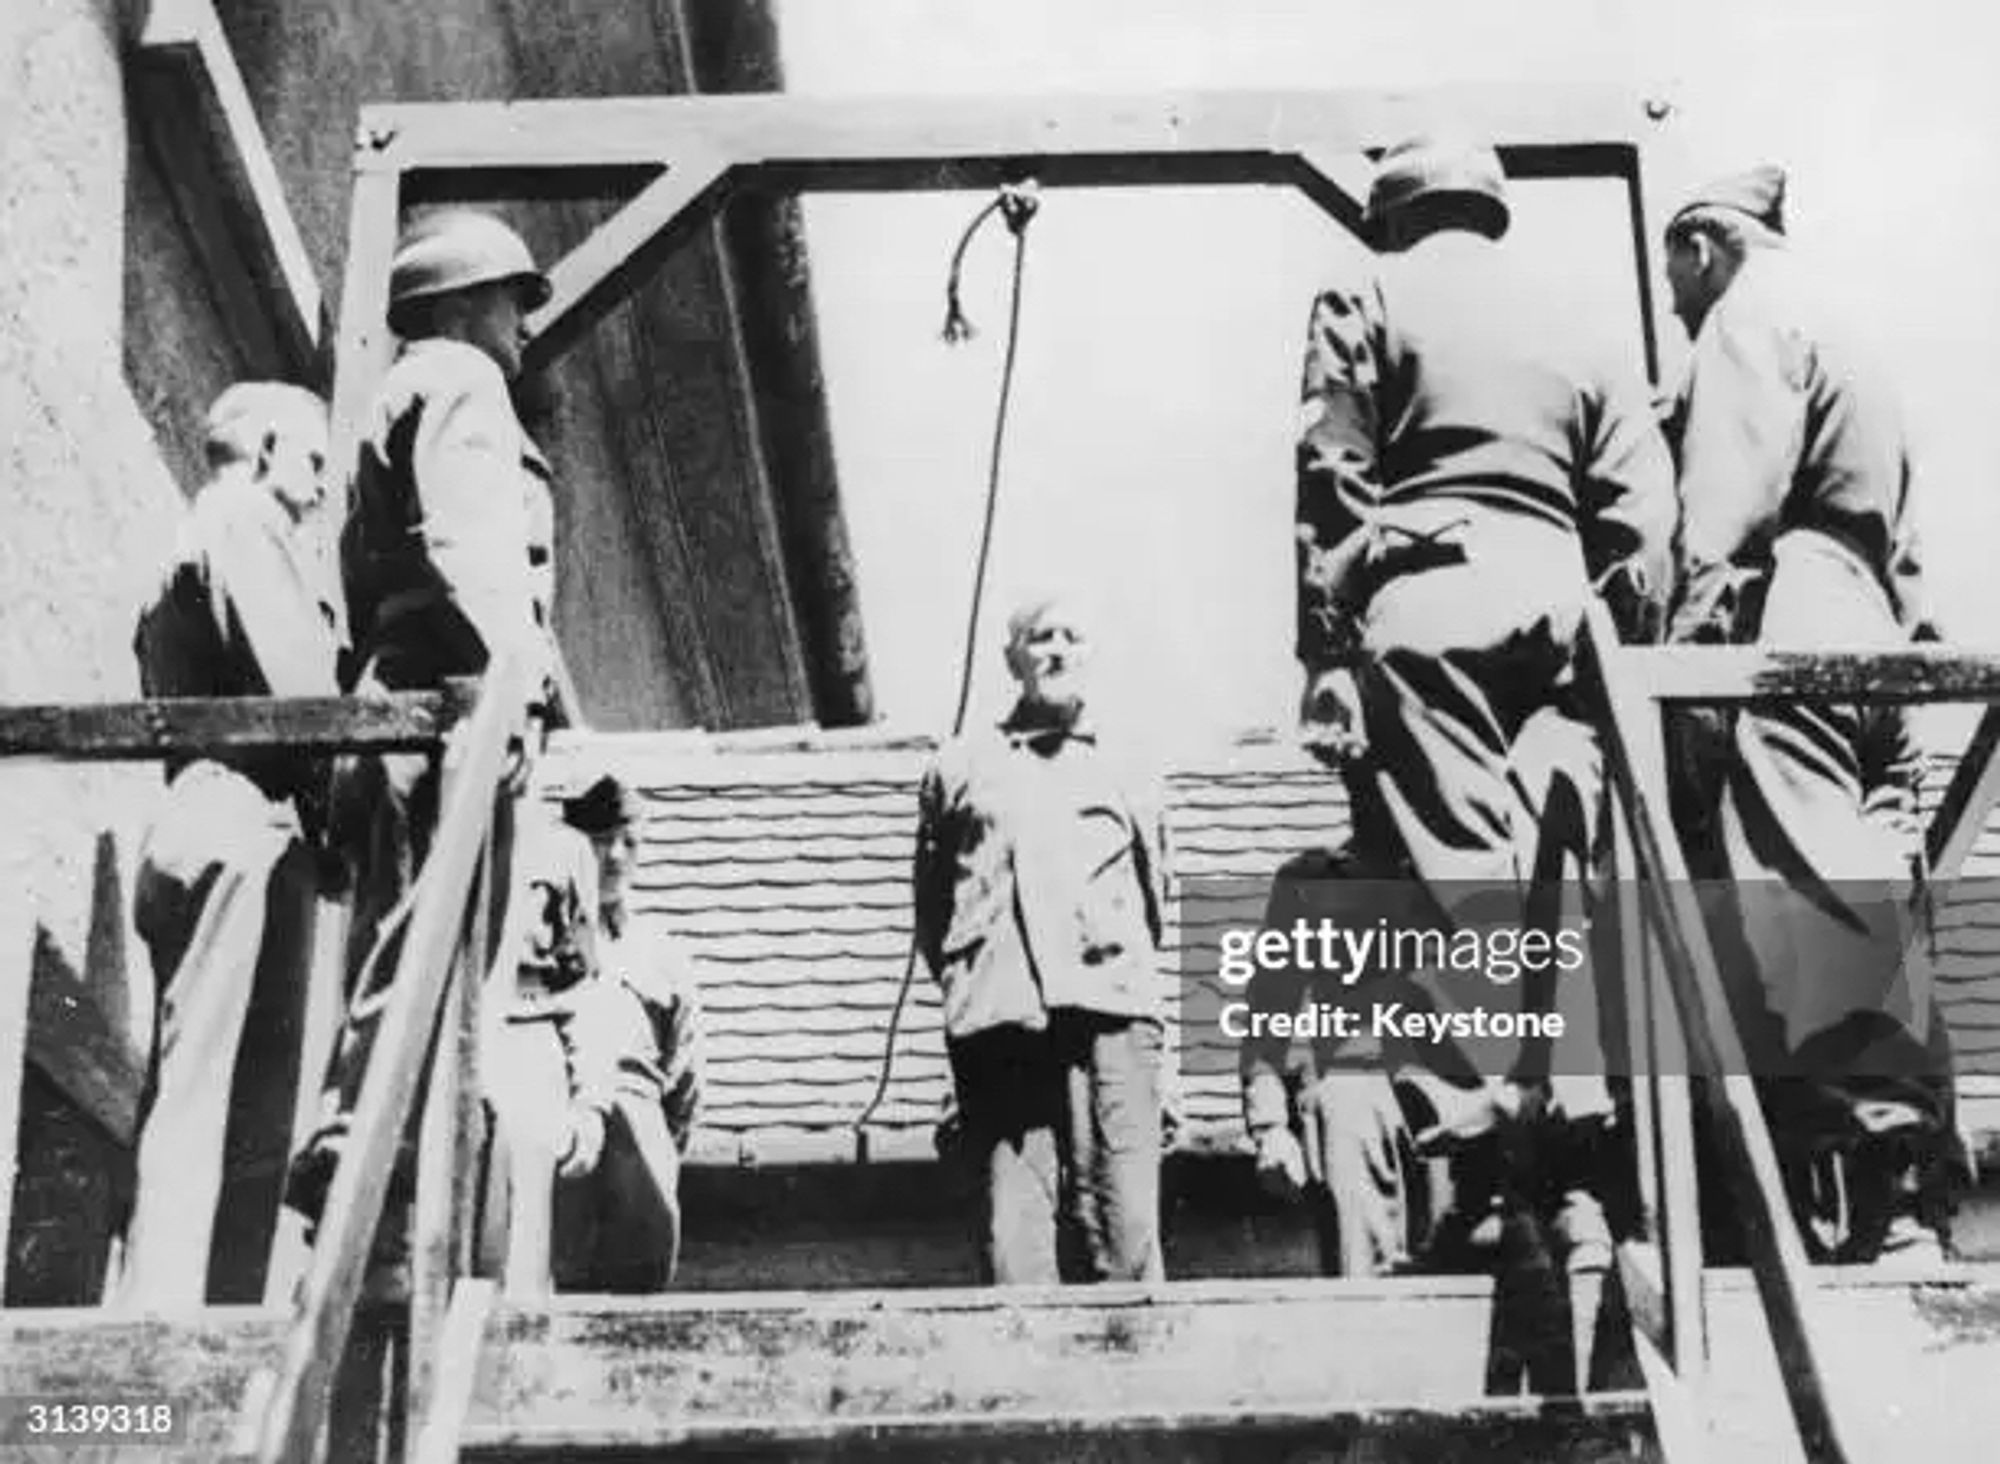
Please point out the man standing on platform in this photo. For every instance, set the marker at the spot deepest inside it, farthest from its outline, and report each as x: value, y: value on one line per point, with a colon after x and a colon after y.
x: 1799, y: 530
x: 1469, y: 475
x: 227, y: 879
x: 1039, y: 888
x: 448, y: 562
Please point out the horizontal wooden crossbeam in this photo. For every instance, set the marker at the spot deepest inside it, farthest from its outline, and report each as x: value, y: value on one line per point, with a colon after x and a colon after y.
x: 198, y: 726
x: 791, y: 144
x: 879, y: 139
x: 164, y: 727
x: 1861, y: 674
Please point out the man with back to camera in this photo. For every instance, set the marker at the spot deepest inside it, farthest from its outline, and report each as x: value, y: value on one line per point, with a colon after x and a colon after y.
x: 225, y: 887
x: 448, y: 560
x: 1039, y: 889
x: 1799, y: 529
x: 1468, y: 476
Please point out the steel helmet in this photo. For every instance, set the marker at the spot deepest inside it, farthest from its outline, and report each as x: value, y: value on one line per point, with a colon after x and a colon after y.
x: 457, y: 248
x: 1441, y: 166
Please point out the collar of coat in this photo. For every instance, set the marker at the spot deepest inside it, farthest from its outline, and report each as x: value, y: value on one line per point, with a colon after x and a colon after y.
x: 1022, y: 730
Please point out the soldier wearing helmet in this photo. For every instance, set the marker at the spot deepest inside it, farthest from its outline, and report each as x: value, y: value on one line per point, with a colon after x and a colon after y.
x: 448, y: 552
x: 447, y: 559
x: 1469, y: 475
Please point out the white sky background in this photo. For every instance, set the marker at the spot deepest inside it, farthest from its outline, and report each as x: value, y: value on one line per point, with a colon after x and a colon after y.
x: 1149, y: 451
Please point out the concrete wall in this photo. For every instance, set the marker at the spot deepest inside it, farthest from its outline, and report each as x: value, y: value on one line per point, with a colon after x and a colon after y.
x: 92, y: 463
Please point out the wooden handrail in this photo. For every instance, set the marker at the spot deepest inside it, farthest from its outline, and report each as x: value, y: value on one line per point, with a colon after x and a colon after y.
x: 324, y: 1311
x: 198, y: 726
x: 1778, y: 1260
x: 1871, y: 675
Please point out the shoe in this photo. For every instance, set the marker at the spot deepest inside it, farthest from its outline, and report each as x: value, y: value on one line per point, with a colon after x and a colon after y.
x: 310, y: 1179
x: 1909, y: 1246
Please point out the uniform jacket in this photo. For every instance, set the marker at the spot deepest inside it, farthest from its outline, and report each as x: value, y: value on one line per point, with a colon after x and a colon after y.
x: 1264, y: 1060
x: 1443, y: 386
x: 1792, y: 453
x: 449, y: 548
x: 1780, y: 426
x: 659, y: 976
x: 622, y: 1007
x: 1039, y: 879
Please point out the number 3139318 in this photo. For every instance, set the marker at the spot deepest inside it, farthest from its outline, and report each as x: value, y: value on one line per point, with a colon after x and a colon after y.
x: 77, y: 1420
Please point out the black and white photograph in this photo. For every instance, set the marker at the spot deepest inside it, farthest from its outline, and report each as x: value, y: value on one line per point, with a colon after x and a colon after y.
x: 999, y: 730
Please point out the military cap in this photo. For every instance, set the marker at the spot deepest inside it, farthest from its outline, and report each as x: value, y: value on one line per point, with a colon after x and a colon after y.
x: 1431, y: 167
x: 1757, y: 192
x: 601, y: 807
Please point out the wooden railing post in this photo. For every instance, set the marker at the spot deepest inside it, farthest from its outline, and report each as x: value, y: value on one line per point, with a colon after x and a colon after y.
x: 449, y: 1148
x: 325, y: 1310
x: 1777, y: 1254
x: 1661, y: 1069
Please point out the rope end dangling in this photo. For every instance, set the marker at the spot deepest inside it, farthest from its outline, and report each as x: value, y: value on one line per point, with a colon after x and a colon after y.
x: 956, y: 327
x: 1016, y: 203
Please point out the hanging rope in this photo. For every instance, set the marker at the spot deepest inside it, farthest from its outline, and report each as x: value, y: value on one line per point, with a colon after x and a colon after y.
x: 1017, y: 206
x: 1016, y: 203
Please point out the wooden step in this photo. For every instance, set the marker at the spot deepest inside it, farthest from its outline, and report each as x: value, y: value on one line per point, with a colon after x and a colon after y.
x: 1196, y: 1370
x: 1607, y: 1429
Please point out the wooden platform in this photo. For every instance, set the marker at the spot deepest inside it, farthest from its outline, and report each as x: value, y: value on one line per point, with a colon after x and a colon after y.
x: 1290, y: 1369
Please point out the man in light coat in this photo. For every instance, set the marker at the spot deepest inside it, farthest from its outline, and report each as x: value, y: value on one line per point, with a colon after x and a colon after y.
x: 227, y: 879
x: 1039, y: 887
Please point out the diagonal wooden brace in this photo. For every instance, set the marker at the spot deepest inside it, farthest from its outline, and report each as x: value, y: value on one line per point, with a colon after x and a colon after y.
x: 594, y: 277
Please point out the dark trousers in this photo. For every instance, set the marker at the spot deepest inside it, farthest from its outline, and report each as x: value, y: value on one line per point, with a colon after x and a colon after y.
x: 1062, y: 1133
x: 1805, y: 894
x: 618, y: 1228
x: 1484, y: 776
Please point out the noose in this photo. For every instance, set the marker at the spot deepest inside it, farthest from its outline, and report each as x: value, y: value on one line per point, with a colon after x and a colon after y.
x: 1016, y: 204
